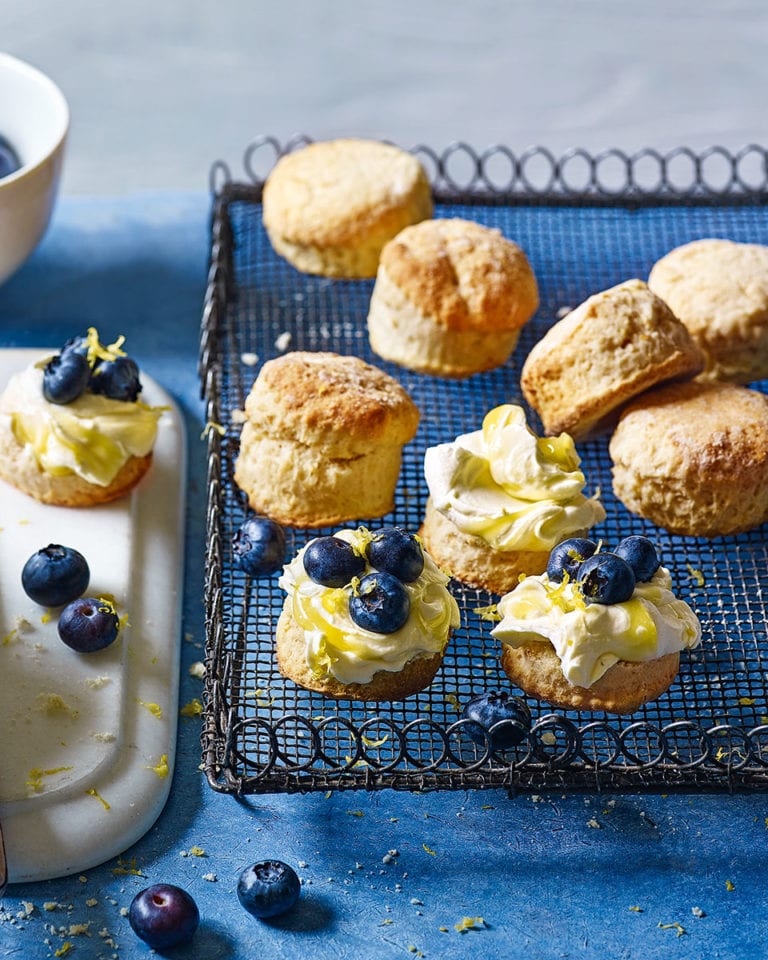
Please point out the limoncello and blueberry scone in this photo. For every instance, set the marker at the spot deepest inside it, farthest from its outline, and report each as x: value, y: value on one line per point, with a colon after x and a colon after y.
x: 73, y: 431
x: 367, y: 617
x: 598, y: 630
x: 500, y: 498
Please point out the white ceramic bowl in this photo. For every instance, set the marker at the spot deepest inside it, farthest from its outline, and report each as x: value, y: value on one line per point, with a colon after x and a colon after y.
x: 34, y: 119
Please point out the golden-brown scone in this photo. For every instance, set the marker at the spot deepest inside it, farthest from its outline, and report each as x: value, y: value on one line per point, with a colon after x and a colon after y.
x: 470, y: 559
x: 535, y: 668
x: 608, y: 350
x: 323, y: 438
x: 330, y: 207
x: 719, y: 289
x: 693, y: 458
x: 450, y: 298
x: 19, y: 468
x: 385, y: 685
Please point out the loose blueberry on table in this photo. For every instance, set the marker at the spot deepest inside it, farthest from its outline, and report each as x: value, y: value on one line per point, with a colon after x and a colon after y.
x: 9, y: 159
x: 640, y: 554
x: 568, y: 556
x: 268, y: 889
x: 606, y: 578
x: 332, y: 562
x: 55, y: 575
x: 89, y: 624
x: 259, y: 546
x: 397, y: 552
x: 380, y: 603
x: 485, y: 710
x: 163, y: 916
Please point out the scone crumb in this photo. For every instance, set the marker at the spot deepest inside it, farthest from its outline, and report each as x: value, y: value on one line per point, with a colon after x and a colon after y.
x: 197, y: 669
x: 238, y: 417
x: 283, y: 341
x: 469, y: 923
x: 249, y: 359
x: 698, y: 912
x: 210, y: 877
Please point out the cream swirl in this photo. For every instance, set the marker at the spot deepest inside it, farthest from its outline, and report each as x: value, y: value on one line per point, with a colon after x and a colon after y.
x: 509, y: 487
x: 93, y: 436
x: 589, y: 638
x: 338, y: 647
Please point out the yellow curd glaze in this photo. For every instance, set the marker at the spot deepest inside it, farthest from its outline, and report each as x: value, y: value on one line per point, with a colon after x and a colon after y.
x: 338, y: 647
x: 92, y: 437
x: 589, y: 638
x: 514, y: 490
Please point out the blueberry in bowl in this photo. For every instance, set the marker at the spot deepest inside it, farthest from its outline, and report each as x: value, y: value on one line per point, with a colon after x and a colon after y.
x: 268, y: 889
x: 397, y: 552
x: 485, y: 710
x: 332, y: 562
x: 259, y: 546
x: 163, y: 916
x: 55, y: 575
x: 89, y: 624
x: 380, y: 603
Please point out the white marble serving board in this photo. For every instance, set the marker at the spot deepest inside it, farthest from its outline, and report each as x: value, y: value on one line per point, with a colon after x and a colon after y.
x: 99, y: 729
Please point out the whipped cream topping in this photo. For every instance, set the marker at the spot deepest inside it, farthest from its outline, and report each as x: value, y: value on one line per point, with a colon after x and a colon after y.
x: 338, y: 647
x: 589, y: 638
x: 92, y: 437
x: 514, y: 490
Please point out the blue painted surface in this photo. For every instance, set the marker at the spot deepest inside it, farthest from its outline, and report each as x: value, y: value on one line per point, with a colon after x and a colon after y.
x: 553, y: 877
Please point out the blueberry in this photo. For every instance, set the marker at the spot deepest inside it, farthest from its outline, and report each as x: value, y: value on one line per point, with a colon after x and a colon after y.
x: 259, y: 546
x: 332, y: 562
x: 396, y: 552
x: 268, y: 889
x: 606, y: 578
x: 9, y: 159
x: 76, y: 345
x: 117, y: 379
x: 55, y: 575
x: 568, y: 556
x: 163, y: 916
x: 641, y: 555
x: 381, y: 603
x: 487, y: 709
x: 89, y: 624
x: 65, y: 377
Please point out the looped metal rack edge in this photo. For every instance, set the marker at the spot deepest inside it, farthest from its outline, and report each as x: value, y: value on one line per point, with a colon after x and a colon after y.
x: 254, y: 741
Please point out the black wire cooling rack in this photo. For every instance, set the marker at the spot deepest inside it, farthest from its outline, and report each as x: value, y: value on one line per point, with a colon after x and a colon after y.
x: 586, y: 223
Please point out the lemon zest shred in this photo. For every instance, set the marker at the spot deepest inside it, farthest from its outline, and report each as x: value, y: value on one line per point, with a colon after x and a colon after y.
x: 469, y: 923
x: 696, y: 575
x: 375, y: 743
x: 95, y: 793
x: 489, y: 613
x: 212, y: 427
x: 161, y: 769
x: 428, y: 850
x: 192, y: 709
x: 681, y: 931
x: 154, y: 708
x: 36, y: 776
x: 127, y: 868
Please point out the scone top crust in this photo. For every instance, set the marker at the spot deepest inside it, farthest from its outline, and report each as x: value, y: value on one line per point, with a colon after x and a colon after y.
x: 613, y: 346
x: 462, y: 275
x: 719, y: 289
x: 332, y: 192
x: 338, y: 402
x: 692, y: 430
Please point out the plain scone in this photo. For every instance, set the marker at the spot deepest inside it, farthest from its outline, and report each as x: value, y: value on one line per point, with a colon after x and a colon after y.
x: 719, y: 290
x: 693, y: 458
x: 330, y: 207
x: 322, y: 440
x: 611, y: 348
x: 450, y: 298
x: 536, y: 669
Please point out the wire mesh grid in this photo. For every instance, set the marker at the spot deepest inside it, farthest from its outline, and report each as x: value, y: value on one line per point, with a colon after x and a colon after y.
x: 263, y: 733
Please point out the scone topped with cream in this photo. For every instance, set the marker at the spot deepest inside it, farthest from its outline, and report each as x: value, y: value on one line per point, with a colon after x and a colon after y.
x: 598, y: 630
x: 367, y: 617
x: 73, y: 431
x: 500, y: 498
